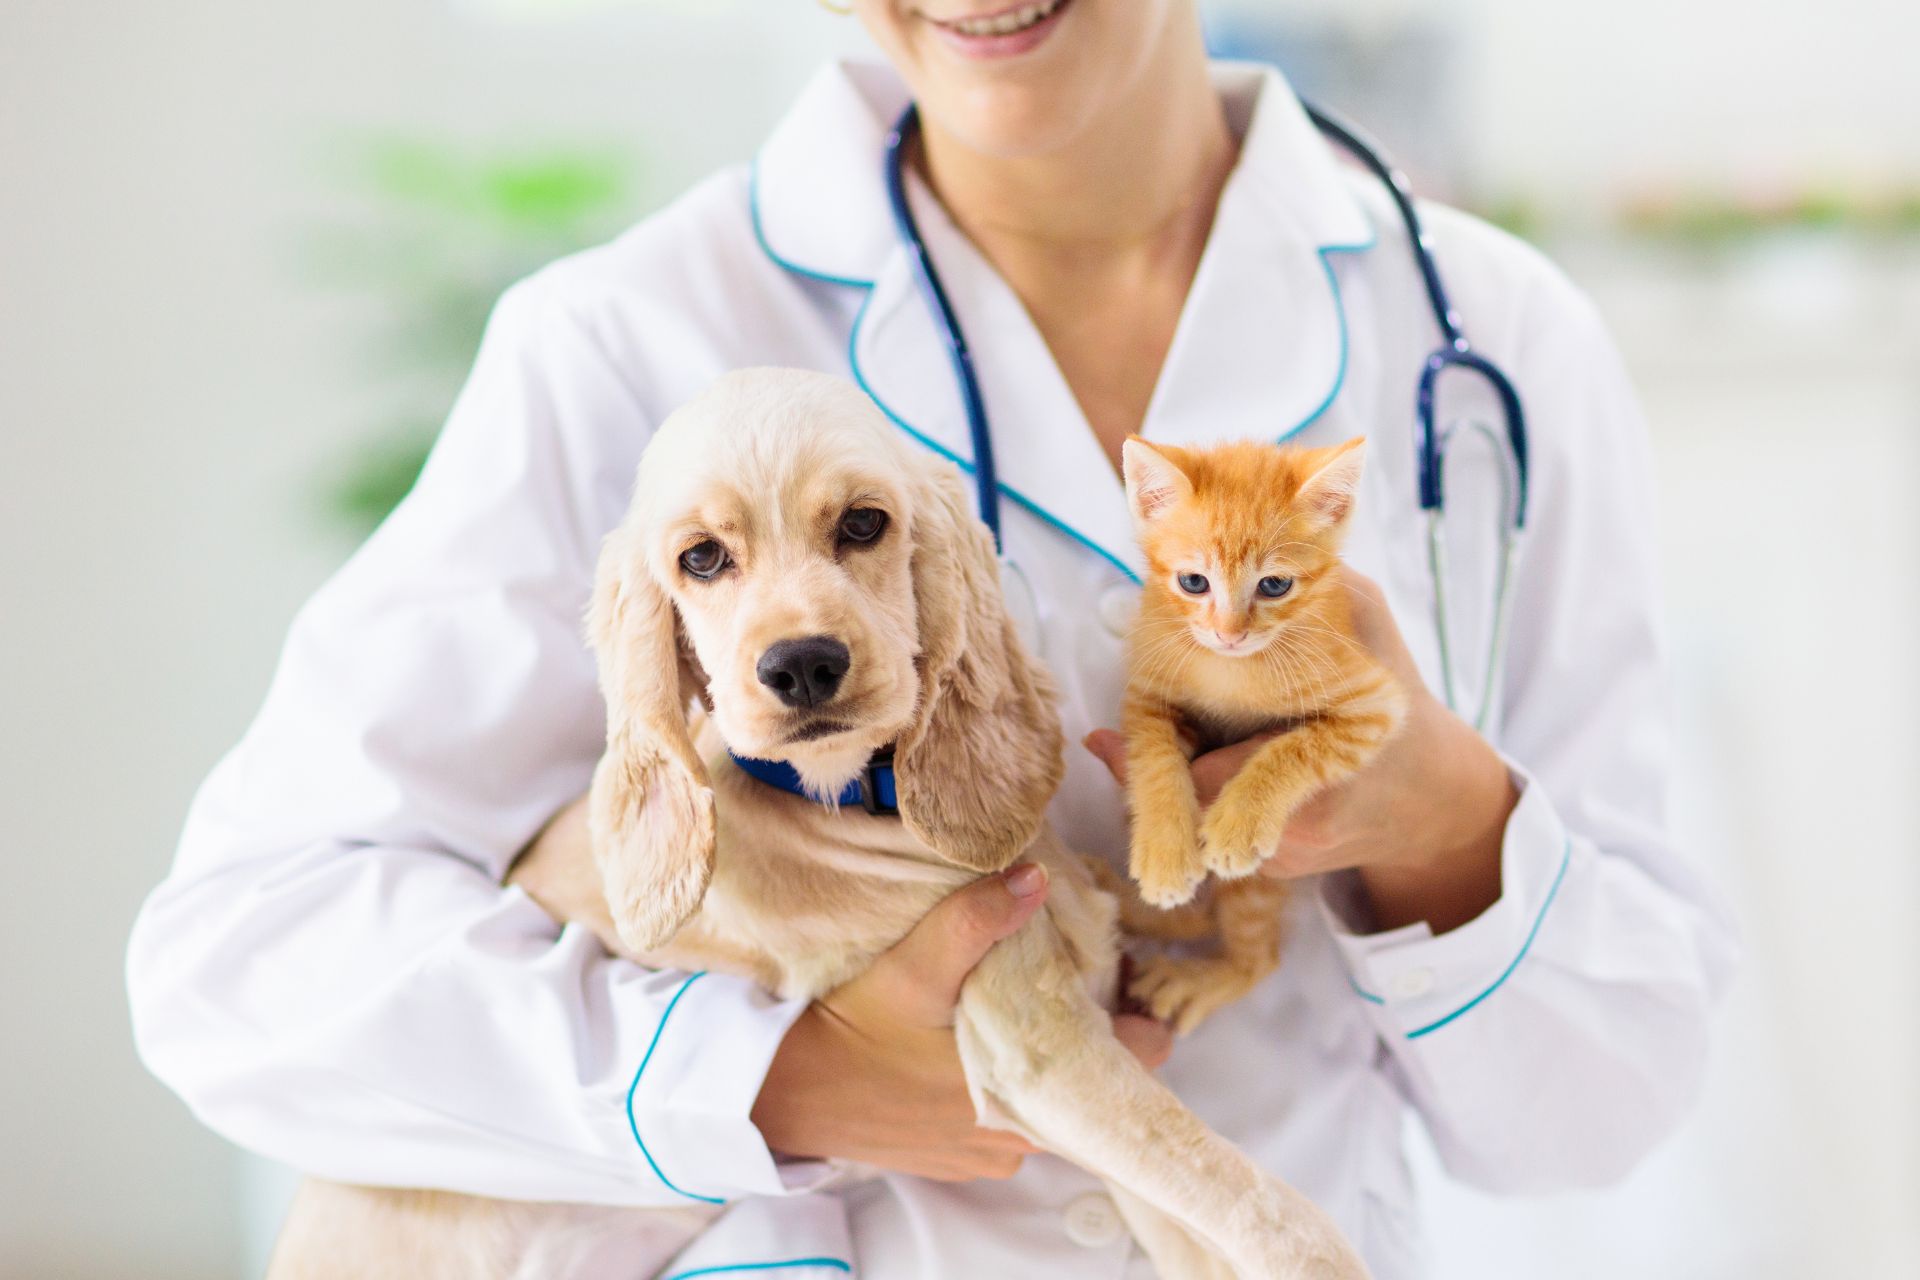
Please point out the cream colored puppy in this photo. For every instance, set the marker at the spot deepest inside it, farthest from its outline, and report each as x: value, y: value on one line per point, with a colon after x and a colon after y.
x: 821, y: 587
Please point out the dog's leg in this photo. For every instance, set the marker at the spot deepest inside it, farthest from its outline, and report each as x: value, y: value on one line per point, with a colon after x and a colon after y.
x: 1185, y: 989
x: 1038, y: 1049
x: 1173, y: 1250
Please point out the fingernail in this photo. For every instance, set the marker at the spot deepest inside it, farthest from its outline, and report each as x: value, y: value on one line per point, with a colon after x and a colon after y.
x: 1025, y: 880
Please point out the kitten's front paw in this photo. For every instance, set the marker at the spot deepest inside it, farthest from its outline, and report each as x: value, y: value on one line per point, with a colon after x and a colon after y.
x: 1166, y: 863
x: 1168, y: 885
x: 1236, y: 839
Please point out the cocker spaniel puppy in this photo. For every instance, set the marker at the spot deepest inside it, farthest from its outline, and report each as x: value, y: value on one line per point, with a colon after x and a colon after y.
x: 796, y: 567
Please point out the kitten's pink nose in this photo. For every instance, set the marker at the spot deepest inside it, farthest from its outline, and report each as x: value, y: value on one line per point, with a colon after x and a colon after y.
x: 1229, y: 638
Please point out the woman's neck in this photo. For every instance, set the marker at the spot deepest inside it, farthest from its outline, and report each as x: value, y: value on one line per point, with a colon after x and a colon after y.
x: 1101, y: 239
x: 1154, y: 161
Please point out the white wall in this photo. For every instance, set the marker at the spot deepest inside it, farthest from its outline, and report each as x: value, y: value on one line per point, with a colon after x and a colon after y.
x: 1572, y: 99
x: 1696, y: 91
x: 172, y: 386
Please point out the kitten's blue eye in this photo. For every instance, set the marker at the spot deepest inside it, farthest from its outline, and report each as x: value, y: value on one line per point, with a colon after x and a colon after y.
x: 1274, y: 588
x: 1193, y: 584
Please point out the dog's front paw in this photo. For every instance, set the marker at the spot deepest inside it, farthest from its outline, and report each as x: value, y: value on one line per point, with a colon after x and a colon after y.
x: 1187, y: 990
x: 1166, y: 862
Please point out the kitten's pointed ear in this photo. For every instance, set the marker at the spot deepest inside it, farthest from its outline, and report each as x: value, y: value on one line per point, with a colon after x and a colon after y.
x: 1155, y: 481
x: 1329, y: 493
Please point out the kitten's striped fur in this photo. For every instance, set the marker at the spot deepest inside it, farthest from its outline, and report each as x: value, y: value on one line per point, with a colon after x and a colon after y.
x: 1213, y: 666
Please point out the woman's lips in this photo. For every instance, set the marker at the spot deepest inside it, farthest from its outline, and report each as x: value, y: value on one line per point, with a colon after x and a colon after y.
x: 1009, y: 45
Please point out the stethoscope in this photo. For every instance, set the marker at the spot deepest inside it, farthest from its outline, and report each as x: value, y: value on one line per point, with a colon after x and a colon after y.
x: 1431, y: 439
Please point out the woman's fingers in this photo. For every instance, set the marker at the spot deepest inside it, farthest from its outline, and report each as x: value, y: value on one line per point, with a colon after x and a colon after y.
x: 999, y: 1162
x: 1214, y: 770
x: 1110, y: 749
x: 1147, y: 1039
x: 918, y: 979
x: 1211, y: 771
x: 871, y: 1073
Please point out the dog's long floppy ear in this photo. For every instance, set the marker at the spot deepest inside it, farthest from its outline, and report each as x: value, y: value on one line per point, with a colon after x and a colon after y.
x: 982, y: 759
x: 651, y: 812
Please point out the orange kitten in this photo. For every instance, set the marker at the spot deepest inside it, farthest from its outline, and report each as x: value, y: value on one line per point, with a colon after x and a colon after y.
x: 1243, y: 627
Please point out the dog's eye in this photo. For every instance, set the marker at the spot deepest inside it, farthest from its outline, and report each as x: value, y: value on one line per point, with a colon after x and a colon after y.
x: 704, y: 559
x: 863, y: 524
x: 1194, y: 584
x: 1274, y: 588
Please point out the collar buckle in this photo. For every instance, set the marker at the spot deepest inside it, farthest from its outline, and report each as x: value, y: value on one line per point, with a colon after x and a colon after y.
x: 877, y: 793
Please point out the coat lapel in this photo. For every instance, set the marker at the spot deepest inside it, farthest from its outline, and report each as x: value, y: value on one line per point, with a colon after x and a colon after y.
x: 818, y: 199
x: 1261, y: 348
x: 1047, y: 459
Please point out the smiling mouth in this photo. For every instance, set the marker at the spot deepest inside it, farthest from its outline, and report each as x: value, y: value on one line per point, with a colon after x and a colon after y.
x: 1005, y: 23
x: 1003, y: 33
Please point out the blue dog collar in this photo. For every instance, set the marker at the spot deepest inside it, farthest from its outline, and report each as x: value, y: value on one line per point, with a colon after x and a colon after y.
x: 873, y: 790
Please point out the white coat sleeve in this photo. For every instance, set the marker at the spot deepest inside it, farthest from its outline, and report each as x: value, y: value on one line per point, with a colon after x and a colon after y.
x: 1553, y: 1040
x: 333, y: 975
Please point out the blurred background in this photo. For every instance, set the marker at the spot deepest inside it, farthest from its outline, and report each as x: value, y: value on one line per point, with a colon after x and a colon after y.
x: 244, y: 254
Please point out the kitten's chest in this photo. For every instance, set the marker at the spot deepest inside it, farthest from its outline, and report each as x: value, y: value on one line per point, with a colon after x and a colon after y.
x: 1228, y: 699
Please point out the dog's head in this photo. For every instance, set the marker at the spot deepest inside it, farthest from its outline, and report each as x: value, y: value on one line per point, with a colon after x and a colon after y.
x: 824, y: 588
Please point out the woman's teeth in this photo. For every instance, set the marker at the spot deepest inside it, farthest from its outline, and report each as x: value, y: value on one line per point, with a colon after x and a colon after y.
x: 1008, y: 23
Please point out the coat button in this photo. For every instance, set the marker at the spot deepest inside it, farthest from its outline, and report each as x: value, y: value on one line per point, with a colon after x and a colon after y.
x: 1412, y: 984
x: 1118, y: 604
x: 1093, y: 1220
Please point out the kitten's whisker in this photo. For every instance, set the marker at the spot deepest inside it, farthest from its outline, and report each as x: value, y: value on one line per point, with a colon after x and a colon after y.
x: 1298, y: 658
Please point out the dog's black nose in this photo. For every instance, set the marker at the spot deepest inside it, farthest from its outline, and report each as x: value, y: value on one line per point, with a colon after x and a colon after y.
x: 804, y: 672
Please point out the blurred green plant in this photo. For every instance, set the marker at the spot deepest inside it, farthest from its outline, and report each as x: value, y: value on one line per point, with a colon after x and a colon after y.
x: 1708, y: 220
x: 1518, y: 215
x: 430, y: 233
x: 1713, y: 219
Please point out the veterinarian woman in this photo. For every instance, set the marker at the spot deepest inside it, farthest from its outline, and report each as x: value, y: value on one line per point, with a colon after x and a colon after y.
x: 1497, y: 935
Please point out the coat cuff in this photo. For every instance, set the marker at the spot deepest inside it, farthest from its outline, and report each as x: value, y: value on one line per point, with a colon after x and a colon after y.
x: 696, y: 1073
x: 1415, y: 983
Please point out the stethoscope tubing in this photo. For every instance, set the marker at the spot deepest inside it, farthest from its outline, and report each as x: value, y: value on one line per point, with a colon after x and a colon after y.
x: 985, y: 480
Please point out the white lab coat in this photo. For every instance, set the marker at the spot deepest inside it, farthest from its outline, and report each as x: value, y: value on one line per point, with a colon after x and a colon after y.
x: 333, y: 975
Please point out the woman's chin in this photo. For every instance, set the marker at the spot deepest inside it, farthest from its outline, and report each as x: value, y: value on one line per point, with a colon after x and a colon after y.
x: 1013, y: 119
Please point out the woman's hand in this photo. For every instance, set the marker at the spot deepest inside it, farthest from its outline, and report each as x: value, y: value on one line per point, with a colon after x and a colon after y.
x: 1422, y: 824
x: 870, y: 1071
